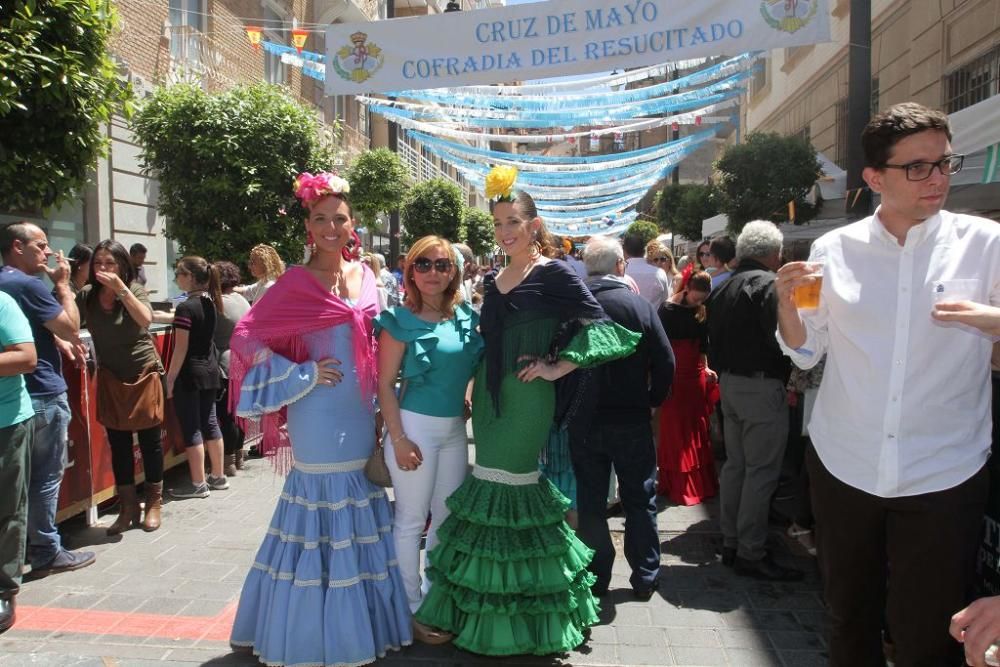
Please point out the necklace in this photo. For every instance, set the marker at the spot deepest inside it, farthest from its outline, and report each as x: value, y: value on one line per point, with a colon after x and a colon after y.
x: 436, y: 310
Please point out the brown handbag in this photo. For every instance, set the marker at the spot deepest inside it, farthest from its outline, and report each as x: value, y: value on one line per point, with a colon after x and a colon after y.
x: 376, y: 469
x: 130, y: 406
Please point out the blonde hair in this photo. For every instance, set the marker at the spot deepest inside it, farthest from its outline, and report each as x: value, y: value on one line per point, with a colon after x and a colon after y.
x: 452, y: 294
x: 269, y: 259
x: 656, y: 247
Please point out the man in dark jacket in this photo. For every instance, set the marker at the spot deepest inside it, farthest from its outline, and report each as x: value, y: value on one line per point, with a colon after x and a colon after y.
x: 623, y: 395
x: 742, y: 319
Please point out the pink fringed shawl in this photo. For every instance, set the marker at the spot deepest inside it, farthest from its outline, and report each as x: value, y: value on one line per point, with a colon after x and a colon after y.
x: 295, y: 306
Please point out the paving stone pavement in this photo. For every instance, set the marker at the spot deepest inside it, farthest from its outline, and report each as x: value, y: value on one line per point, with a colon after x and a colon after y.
x: 168, y: 597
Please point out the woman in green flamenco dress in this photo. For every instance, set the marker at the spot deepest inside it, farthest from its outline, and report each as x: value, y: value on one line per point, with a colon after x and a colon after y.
x: 509, y: 576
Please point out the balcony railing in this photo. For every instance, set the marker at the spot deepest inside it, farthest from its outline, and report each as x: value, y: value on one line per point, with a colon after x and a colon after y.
x: 421, y: 169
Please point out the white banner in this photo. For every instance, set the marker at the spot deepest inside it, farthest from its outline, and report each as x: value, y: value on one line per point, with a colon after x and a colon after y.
x: 557, y: 38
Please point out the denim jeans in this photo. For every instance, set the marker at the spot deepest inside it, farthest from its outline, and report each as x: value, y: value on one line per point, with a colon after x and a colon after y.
x: 630, y: 448
x: 48, y: 460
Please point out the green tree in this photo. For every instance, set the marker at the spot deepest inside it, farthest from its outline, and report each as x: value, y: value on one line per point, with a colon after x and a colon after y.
x: 645, y: 229
x: 58, y: 90
x: 379, y: 182
x: 681, y: 208
x: 226, y: 163
x: 433, y: 207
x: 760, y: 176
x: 479, y: 231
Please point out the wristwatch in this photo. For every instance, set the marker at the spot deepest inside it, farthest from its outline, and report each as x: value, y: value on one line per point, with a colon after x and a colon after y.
x: 122, y: 292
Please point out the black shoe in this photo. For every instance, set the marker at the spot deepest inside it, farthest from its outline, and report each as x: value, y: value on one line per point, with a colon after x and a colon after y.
x: 766, y: 569
x: 7, y: 614
x: 643, y: 595
x: 728, y: 555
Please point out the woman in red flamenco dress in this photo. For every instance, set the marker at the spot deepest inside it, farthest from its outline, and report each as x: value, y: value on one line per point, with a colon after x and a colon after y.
x: 686, y: 465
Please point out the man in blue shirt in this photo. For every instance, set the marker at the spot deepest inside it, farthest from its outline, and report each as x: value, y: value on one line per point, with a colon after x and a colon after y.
x: 17, y: 357
x: 55, y: 325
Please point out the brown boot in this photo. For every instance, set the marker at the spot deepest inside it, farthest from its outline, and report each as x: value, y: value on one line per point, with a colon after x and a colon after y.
x: 239, y: 458
x: 128, y: 511
x: 229, y: 465
x: 154, y: 499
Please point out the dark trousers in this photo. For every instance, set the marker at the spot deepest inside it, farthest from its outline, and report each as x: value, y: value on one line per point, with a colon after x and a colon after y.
x: 629, y: 447
x: 912, y: 558
x: 15, y: 465
x: 123, y: 456
x: 232, y: 434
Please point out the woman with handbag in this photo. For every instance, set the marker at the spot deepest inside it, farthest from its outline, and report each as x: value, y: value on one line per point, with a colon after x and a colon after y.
x: 324, y: 588
x: 430, y: 342
x: 193, y: 379
x: 115, y: 309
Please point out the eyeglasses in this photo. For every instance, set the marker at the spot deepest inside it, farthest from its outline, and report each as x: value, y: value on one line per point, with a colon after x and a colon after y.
x: 949, y: 165
x: 660, y: 260
x: 424, y: 265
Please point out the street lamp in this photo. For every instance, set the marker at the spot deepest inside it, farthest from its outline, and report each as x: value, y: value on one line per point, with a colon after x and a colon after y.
x: 452, y: 6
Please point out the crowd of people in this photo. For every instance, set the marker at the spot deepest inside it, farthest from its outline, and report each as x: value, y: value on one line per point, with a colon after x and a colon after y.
x: 353, y: 377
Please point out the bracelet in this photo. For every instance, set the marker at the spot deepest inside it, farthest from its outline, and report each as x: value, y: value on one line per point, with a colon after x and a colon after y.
x: 402, y: 436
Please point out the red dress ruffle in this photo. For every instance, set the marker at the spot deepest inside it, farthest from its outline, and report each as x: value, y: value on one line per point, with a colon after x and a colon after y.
x: 686, y: 464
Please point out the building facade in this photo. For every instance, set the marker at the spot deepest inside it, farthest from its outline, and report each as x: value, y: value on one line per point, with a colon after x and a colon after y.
x: 945, y: 55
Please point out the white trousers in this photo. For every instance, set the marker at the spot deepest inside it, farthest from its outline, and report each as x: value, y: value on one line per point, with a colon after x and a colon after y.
x: 442, y: 441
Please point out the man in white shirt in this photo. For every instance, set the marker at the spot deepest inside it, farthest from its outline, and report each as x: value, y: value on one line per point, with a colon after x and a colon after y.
x: 652, y: 281
x: 901, y: 425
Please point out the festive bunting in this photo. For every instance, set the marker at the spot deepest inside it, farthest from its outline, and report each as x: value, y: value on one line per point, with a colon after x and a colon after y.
x: 462, y: 96
x: 299, y: 38
x: 254, y: 34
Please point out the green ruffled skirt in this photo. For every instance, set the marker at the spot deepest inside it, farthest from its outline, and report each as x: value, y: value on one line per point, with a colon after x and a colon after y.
x: 509, y: 576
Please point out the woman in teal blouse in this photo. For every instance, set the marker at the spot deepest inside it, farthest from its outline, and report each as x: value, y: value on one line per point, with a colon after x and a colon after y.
x: 431, y: 343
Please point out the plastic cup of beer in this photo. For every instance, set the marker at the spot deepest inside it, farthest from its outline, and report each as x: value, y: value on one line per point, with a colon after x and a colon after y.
x: 806, y: 295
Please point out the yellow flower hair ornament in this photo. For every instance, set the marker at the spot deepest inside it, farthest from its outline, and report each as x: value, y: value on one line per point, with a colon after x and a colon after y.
x: 500, y: 183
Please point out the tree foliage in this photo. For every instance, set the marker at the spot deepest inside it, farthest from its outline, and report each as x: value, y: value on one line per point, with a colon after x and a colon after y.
x: 433, y: 207
x: 479, y: 231
x: 379, y: 182
x: 760, y: 176
x: 226, y: 163
x: 644, y: 229
x: 681, y: 208
x: 58, y: 89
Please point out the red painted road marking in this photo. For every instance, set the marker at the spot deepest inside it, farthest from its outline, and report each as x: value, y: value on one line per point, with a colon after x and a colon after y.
x: 128, y: 624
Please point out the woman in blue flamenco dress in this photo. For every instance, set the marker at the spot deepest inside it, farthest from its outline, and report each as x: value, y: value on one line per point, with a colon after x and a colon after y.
x: 324, y: 588
x: 509, y: 575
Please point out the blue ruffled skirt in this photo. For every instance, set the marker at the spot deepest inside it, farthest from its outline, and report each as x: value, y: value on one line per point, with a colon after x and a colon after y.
x: 325, y: 587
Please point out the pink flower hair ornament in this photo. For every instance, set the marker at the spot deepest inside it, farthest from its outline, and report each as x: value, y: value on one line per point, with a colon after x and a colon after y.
x: 309, y: 188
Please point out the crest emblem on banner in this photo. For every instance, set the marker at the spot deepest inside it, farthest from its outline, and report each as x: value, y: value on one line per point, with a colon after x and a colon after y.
x: 359, y: 60
x: 788, y: 15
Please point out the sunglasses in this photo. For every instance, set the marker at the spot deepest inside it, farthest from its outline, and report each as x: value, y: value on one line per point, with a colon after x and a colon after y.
x: 661, y: 260
x: 425, y: 264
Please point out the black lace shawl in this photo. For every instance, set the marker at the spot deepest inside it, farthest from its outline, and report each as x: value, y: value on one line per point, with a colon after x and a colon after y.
x: 550, y: 291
